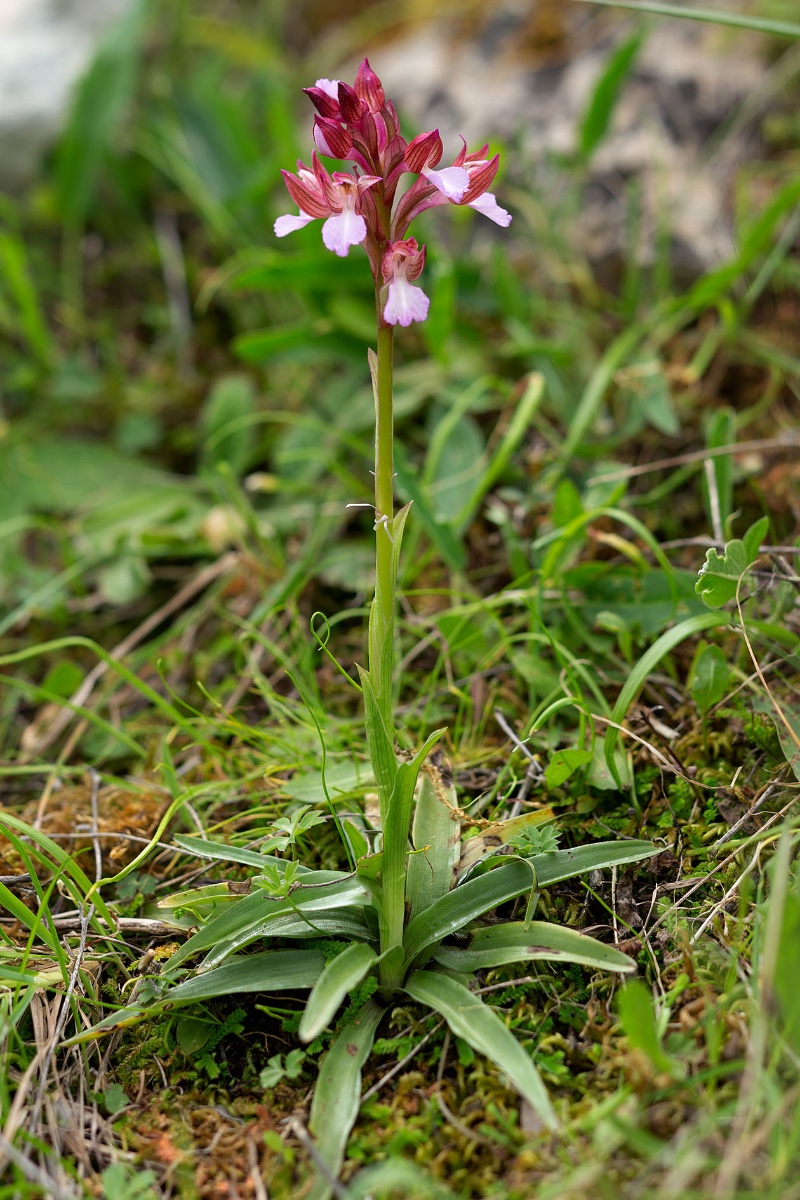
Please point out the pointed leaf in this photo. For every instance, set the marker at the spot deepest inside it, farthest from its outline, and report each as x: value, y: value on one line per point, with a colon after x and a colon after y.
x: 379, y: 744
x: 252, y: 917
x: 518, y: 941
x: 341, y: 976
x: 337, y: 1096
x: 271, y: 971
x: 436, y: 838
x: 464, y: 903
x: 479, y: 1026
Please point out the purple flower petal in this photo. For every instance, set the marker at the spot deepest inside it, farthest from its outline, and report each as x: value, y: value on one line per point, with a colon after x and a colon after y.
x: 344, y: 230
x: 405, y: 303
x: 487, y: 205
x: 452, y: 182
x: 329, y: 86
x: 288, y: 223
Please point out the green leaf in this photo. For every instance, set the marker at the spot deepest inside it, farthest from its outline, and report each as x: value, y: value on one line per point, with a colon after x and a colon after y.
x: 639, y: 673
x: 253, y: 917
x: 563, y: 764
x: 379, y: 743
x: 337, y: 1096
x: 269, y: 971
x: 192, y: 1034
x: 465, y: 903
x: 595, y: 123
x: 470, y: 1019
x: 115, y: 1098
x: 397, y: 1177
x: 437, y: 840
x: 786, y: 979
x: 710, y: 678
x: 518, y: 941
x: 754, y: 537
x: 226, y: 419
x: 720, y: 574
x: 341, y: 976
x: 787, y: 727
x: 639, y: 1023
x: 456, y: 474
x: 508, y: 880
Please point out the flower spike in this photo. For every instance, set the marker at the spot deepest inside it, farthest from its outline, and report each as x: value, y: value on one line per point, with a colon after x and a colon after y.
x: 359, y: 125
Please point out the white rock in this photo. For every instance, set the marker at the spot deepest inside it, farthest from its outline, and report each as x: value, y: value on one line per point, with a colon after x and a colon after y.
x: 45, y: 47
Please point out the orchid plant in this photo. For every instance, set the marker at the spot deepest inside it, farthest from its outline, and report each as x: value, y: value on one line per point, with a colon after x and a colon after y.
x: 413, y: 906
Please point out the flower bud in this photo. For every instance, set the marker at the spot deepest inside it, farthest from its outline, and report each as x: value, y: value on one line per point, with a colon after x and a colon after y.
x: 350, y: 104
x: 331, y: 139
x: 368, y: 87
x: 424, y: 151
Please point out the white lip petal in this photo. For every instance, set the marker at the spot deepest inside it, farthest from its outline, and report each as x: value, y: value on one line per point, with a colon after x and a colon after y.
x: 288, y: 223
x: 405, y: 303
x: 344, y: 230
x: 452, y: 182
x: 487, y: 205
x: 329, y: 86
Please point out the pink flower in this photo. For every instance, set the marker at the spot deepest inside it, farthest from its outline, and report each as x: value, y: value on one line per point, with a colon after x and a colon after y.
x: 423, y: 154
x: 402, y: 262
x: 336, y: 197
x: 428, y: 192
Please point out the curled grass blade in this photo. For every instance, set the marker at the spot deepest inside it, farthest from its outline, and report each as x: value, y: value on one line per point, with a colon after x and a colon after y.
x: 649, y: 660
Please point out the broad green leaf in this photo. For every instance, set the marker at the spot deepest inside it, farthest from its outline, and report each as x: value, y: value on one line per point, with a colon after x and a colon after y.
x: 337, y: 1096
x: 341, y: 779
x: 595, y: 123
x: 270, y: 971
x: 252, y: 917
x: 710, y: 678
x: 341, y: 976
x: 470, y: 1019
x: 507, y: 881
x: 440, y: 533
x: 492, y: 838
x: 639, y: 1023
x: 436, y: 838
x: 564, y: 763
x: 516, y: 941
x: 192, y: 1034
x: 457, y: 473
x: 754, y: 537
x: 720, y: 574
x: 465, y: 903
x: 226, y: 433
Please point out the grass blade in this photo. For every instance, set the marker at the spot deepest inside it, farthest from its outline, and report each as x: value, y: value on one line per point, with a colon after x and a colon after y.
x: 470, y: 1019
x: 340, y: 977
x: 337, y: 1096
x: 735, y: 20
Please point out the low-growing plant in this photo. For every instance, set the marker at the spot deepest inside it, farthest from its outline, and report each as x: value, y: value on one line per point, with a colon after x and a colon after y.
x: 413, y: 909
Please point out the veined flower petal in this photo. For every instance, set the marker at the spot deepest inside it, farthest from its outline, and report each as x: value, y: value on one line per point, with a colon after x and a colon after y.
x: 487, y: 205
x: 452, y: 182
x: 329, y: 86
x: 344, y: 230
x: 405, y: 303
x: 288, y: 223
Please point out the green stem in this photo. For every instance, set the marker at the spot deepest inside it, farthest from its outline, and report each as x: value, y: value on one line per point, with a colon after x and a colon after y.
x: 382, y: 635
